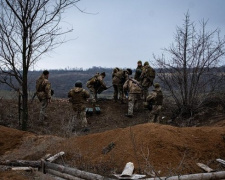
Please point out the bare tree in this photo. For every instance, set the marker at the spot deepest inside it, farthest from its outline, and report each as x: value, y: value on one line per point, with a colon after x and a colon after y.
x: 191, y: 71
x: 28, y: 29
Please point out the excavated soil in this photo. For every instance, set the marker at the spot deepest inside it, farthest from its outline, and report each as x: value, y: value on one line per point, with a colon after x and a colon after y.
x: 113, y: 140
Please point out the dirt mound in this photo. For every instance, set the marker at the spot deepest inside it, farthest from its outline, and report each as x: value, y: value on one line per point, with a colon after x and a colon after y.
x: 168, y: 149
x: 10, y: 139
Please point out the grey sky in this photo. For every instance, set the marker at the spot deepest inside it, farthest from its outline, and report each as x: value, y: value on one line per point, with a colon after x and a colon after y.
x: 125, y: 31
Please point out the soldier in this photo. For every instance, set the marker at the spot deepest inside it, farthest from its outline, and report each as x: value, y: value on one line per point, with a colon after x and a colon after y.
x: 138, y: 71
x: 96, y: 84
x: 43, y: 91
x: 78, y: 97
x: 147, y: 77
x: 155, y: 99
x: 119, y: 77
x: 134, y: 88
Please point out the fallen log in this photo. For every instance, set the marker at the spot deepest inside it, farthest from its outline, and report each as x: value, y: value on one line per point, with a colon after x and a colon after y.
x: 24, y: 169
x: 221, y: 161
x: 62, y: 175
x: 74, y: 172
x: 202, y: 176
x: 56, y: 156
x: 21, y: 163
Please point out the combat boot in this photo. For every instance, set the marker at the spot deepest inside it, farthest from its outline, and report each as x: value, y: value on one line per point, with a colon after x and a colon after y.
x: 129, y: 115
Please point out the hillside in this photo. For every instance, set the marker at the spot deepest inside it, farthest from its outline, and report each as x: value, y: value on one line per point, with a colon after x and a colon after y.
x: 170, y: 150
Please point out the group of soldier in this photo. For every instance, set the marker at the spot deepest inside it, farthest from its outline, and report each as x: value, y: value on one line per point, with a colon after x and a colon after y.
x: 134, y: 88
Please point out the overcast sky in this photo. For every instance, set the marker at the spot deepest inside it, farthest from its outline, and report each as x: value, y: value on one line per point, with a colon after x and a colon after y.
x: 121, y: 32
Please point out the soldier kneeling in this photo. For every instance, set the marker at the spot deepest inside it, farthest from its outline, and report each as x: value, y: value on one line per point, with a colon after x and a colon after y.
x: 155, y: 100
x: 78, y: 97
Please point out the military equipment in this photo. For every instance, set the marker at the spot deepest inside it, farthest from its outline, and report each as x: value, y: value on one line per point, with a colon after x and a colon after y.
x: 97, y: 110
x: 101, y: 89
x: 129, y: 71
x: 89, y: 111
x: 78, y: 84
x: 135, y: 82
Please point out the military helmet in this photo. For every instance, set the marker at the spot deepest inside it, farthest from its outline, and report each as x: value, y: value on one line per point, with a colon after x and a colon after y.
x: 129, y: 71
x: 103, y: 74
x: 45, y: 72
x: 139, y: 62
x: 78, y: 84
x: 157, y: 85
x: 146, y: 63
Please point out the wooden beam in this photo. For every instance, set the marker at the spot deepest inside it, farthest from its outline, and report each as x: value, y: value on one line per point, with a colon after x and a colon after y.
x: 24, y: 169
x: 21, y: 163
x: 74, y: 172
x: 62, y: 175
x: 202, y: 176
x: 56, y: 156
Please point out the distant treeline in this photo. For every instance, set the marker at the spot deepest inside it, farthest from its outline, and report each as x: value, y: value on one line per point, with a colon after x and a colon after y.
x: 63, y: 80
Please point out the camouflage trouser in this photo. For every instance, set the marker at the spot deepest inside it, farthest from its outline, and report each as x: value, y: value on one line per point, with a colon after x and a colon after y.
x: 79, y: 117
x: 155, y: 113
x: 93, y: 93
x: 44, y: 104
x: 118, y: 90
x: 145, y: 93
x: 133, y: 103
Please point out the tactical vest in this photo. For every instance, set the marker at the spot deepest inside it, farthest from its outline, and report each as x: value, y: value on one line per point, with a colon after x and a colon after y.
x: 121, y: 75
x: 39, y: 85
x: 94, y: 79
x: 77, y: 96
x: 159, y: 98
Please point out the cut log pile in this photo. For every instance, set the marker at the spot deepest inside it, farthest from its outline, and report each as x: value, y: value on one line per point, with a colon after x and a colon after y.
x: 46, y: 165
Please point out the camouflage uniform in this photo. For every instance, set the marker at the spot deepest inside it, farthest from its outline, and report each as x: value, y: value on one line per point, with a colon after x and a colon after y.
x: 78, y: 97
x: 43, y: 90
x: 147, y: 77
x: 119, y: 77
x: 156, y: 98
x: 138, y: 71
x: 134, y: 89
x: 96, y: 84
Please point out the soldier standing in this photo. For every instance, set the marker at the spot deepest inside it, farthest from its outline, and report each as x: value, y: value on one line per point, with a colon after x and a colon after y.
x: 138, y: 71
x: 43, y: 91
x: 95, y: 84
x: 78, y: 97
x: 155, y: 98
x: 147, y: 77
x: 134, y: 88
x: 119, y: 77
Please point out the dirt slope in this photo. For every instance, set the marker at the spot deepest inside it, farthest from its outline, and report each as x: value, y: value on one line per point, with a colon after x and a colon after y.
x: 171, y: 150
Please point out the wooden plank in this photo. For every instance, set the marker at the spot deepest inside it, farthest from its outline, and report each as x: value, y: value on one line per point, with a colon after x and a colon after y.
x: 56, y: 156
x: 205, y: 167
x: 24, y: 169
x: 128, y: 169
